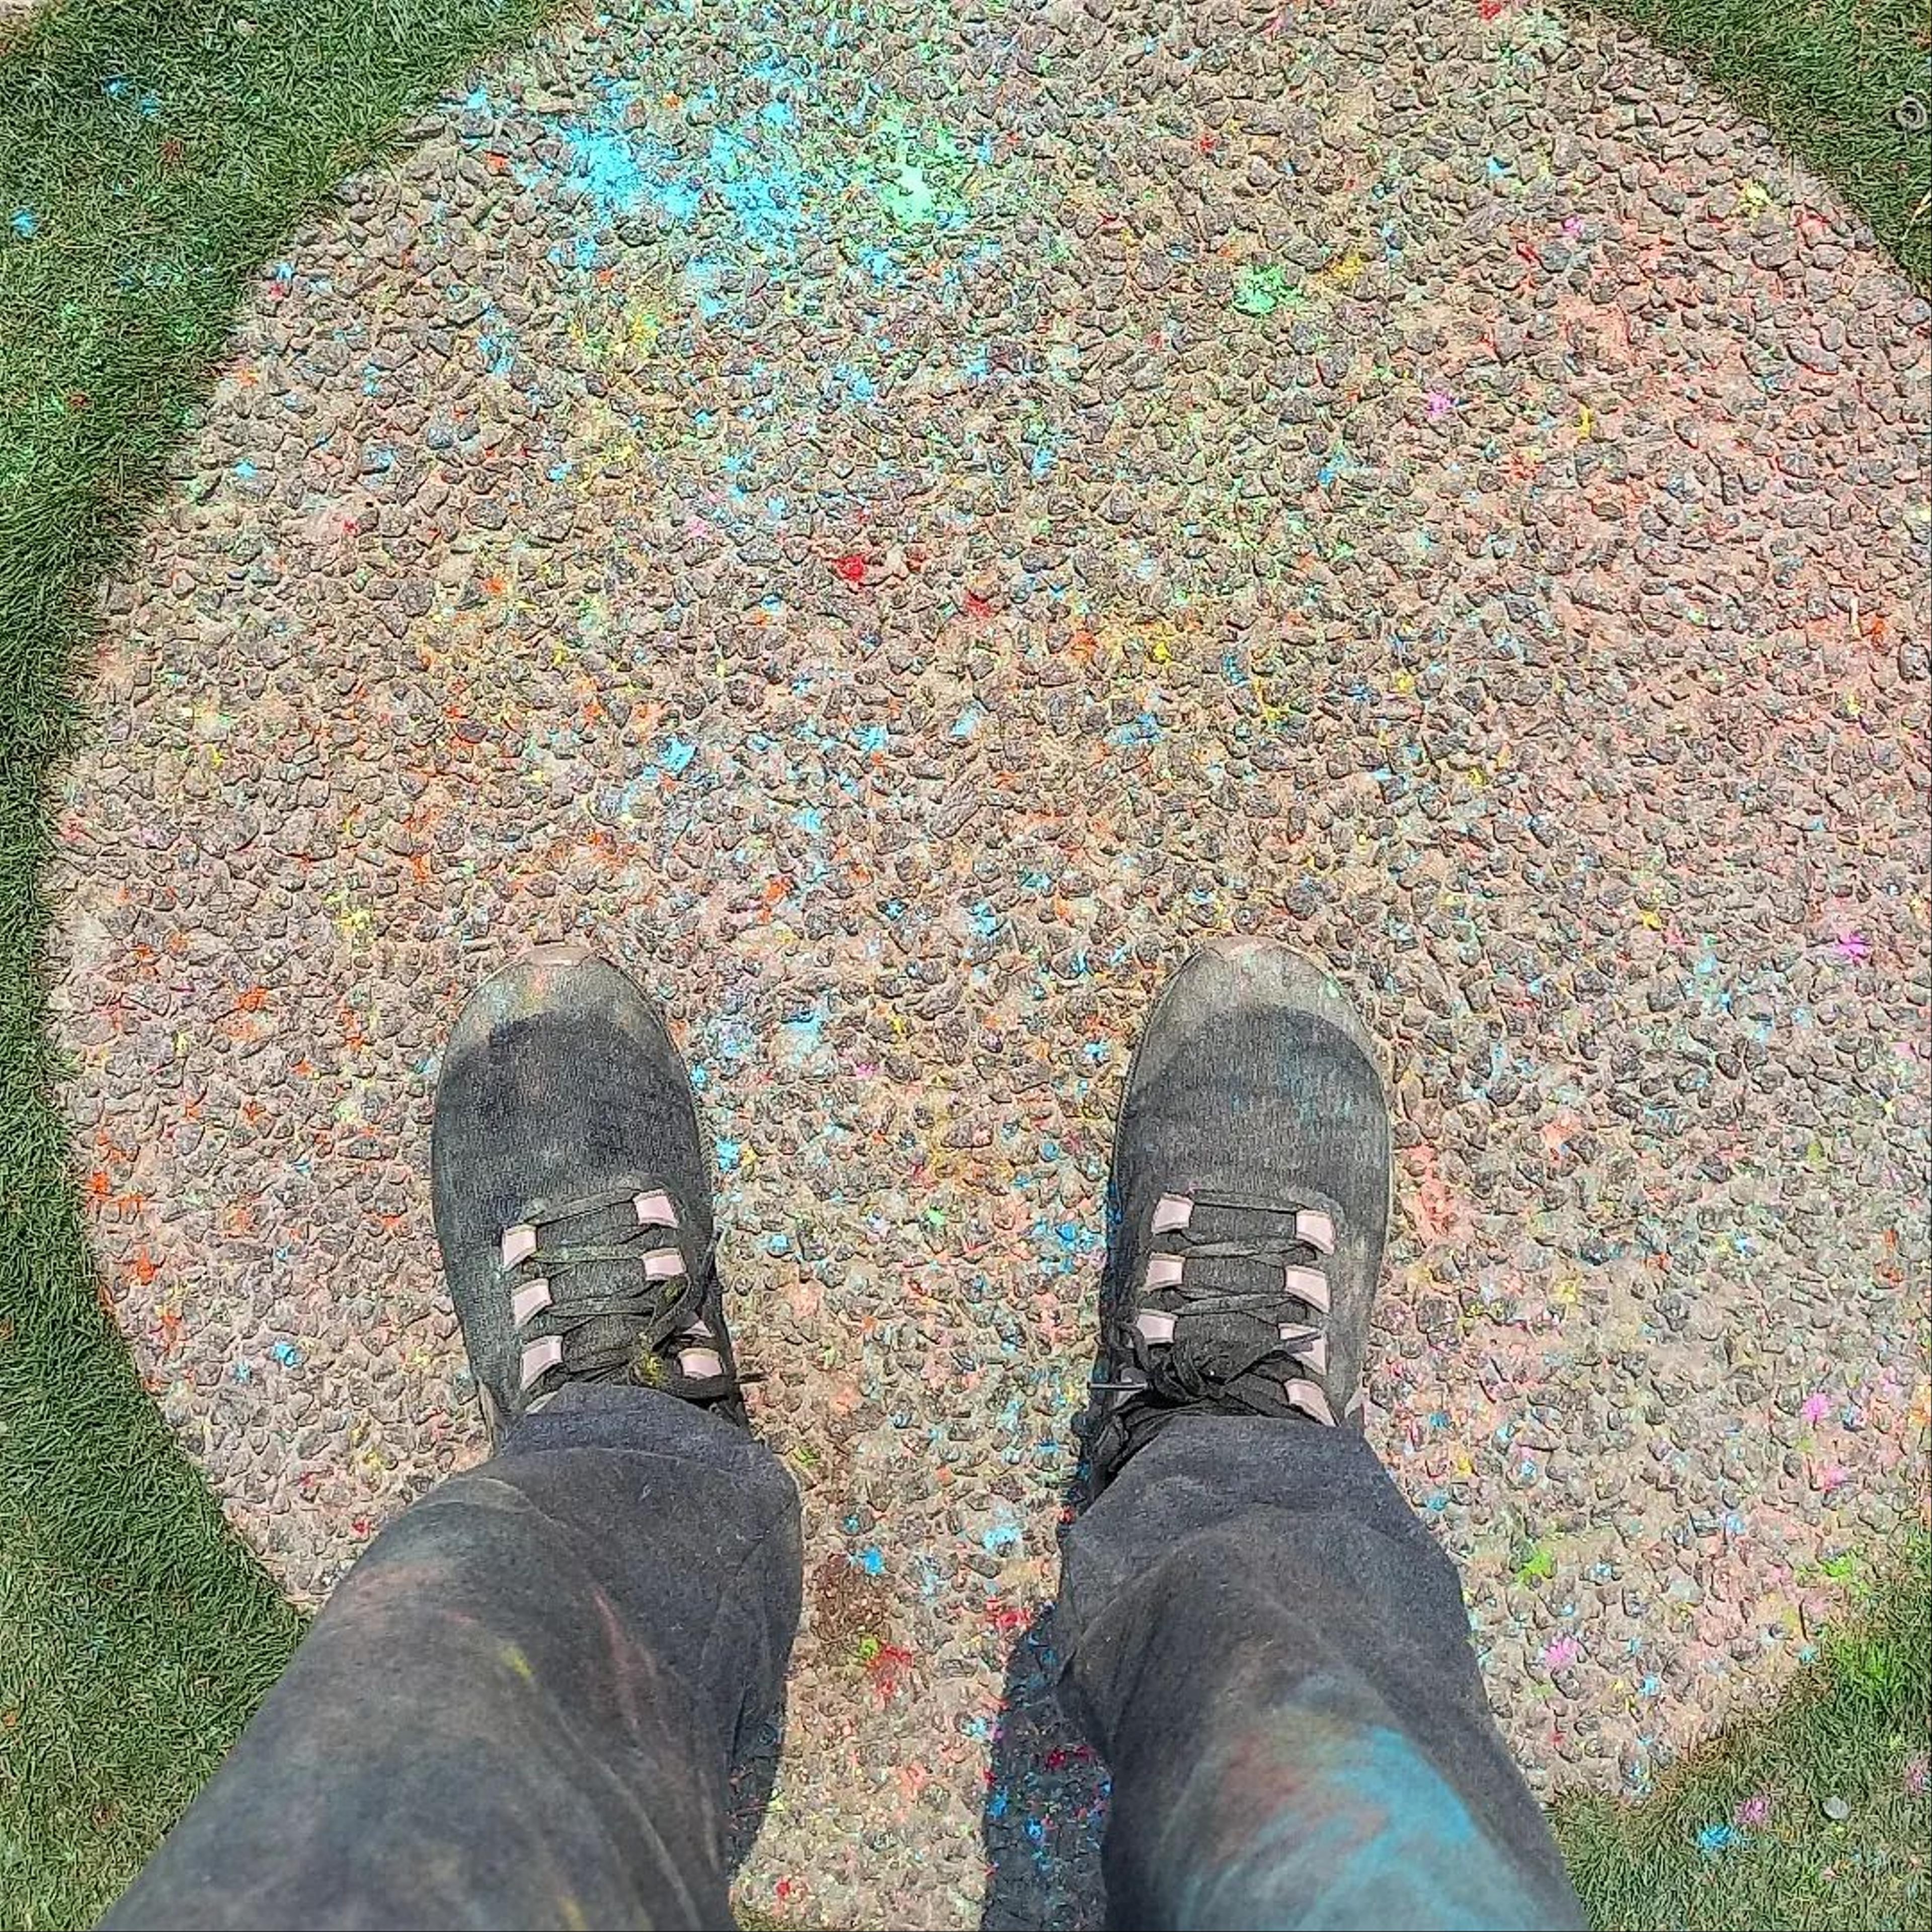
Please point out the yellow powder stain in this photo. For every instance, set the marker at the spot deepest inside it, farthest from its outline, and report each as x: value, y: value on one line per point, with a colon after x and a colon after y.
x: 1586, y: 424
x: 1348, y: 268
x: 643, y: 325
x: 511, y: 1654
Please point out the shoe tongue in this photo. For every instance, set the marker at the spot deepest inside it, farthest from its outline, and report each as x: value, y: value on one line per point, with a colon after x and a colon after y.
x: 576, y: 1282
x: 1225, y: 1341
x: 1258, y: 1235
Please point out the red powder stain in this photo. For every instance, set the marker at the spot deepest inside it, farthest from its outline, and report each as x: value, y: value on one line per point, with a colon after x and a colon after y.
x: 1005, y: 1617
x: 1207, y: 144
x: 887, y: 1669
x: 1490, y: 9
x: 978, y: 608
x: 851, y: 566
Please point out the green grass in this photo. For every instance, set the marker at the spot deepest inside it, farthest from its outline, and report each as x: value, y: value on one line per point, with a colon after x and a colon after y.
x: 1740, y: 1834
x: 135, y: 1634
x: 1826, y: 77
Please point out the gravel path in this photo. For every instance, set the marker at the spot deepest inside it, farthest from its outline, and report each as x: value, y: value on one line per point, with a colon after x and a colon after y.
x: 894, y: 531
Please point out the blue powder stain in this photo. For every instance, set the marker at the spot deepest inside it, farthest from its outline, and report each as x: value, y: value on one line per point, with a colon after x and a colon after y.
x: 1715, y: 1838
x: 608, y: 166
x: 499, y: 354
x: 996, y: 1805
x: 244, y: 469
x: 1332, y: 469
x: 701, y: 276
x: 798, y: 1040
x: 287, y: 1353
x: 809, y: 818
x: 558, y: 472
x: 778, y: 114
x: 25, y: 223
x: 1001, y: 1536
x: 1144, y: 730
x: 872, y: 1562
x: 1496, y: 168
x: 680, y: 200
x: 975, y: 364
x: 1046, y: 453
x: 730, y: 1153
x: 676, y: 757
x: 873, y: 739
x: 149, y: 104
x: 968, y: 722
x: 986, y: 922
x: 858, y: 385
x: 881, y: 263
x: 120, y: 88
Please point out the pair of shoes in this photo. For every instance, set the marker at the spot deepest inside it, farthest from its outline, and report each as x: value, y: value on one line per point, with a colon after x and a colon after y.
x: 1246, y: 1208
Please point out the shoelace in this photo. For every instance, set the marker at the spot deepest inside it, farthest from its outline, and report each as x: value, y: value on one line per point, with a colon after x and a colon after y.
x: 661, y: 1335
x: 1225, y: 1346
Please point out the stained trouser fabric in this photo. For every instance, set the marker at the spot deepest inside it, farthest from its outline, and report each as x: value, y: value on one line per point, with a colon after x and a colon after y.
x: 520, y: 1708
x: 1271, y: 1655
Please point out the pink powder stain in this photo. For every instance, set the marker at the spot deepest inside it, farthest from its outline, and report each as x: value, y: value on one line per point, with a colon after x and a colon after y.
x: 1816, y: 1408
x: 1852, y: 946
x: 1440, y: 404
x: 1755, y: 1809
x: 1564, y: 1652
x: 1833, y: 1476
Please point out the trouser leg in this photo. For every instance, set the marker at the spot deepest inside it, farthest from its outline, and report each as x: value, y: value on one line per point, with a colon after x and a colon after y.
x: 520, y: 1707
x: 1272, y: 1654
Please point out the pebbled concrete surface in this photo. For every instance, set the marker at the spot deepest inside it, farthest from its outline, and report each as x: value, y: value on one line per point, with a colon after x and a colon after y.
x: 895, y: 527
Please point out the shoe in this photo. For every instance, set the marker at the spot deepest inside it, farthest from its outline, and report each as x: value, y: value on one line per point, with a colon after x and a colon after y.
x: 572, y: 1193
x: 1247, y: 1207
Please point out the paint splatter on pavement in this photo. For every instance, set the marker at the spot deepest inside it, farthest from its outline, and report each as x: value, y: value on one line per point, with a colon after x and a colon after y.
x: 896, y: 529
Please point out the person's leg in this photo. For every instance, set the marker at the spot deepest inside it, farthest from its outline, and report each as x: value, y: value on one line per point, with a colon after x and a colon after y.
x: 1264, y: 1644
x: 520, y: 1708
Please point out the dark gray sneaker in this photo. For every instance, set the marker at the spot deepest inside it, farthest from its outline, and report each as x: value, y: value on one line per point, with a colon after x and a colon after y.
x: 1247, y: 1207
x: 572, y: 1192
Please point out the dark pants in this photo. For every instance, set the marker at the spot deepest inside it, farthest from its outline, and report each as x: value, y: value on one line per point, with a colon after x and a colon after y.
x: 521, y: 1707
